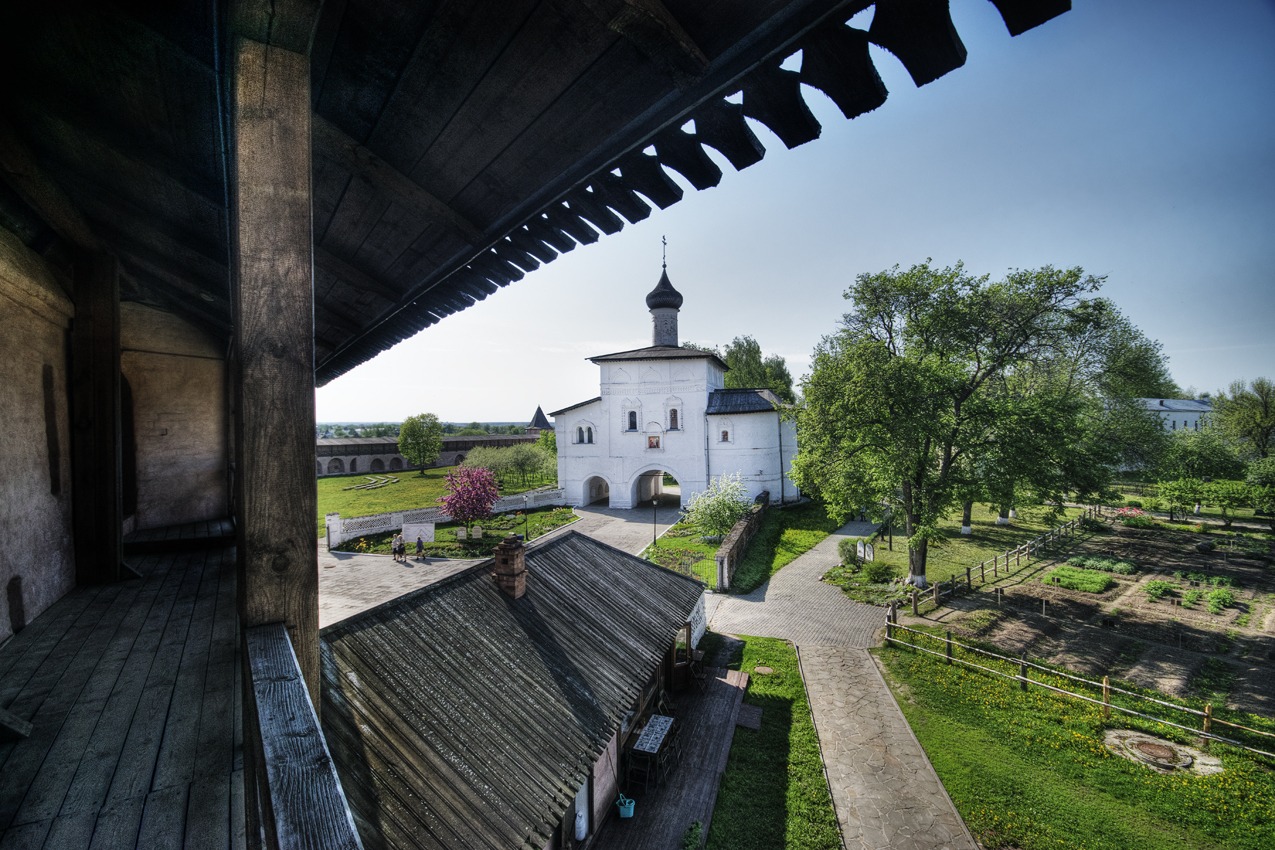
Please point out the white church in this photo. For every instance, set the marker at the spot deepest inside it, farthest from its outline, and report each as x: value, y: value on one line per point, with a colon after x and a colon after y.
x: 665, y: 409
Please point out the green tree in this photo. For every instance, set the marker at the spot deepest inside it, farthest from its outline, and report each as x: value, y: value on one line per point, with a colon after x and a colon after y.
x: 548, y: 440
x: 420, y: 439
x: 750, y: 369
x: 1226, y: 496
x: 718, y: 507
x: 1199, y: 454
x: 1180, y: 495
x: 1246, y: 414
x: 918, y: 381
x: 1261, y: 487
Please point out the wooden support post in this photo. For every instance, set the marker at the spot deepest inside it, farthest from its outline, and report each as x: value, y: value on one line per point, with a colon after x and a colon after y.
x: 948, y: 646
x: 1106, y: 698
x: 1208, y: 718
x: 969, y: 579
x: 1022, y: 671
x: 97, y: 493
x: 936, y: 594
x: 998, y: 597
x: 889, y: 621
x: 273, y: 275
x: 1018, y: 554
x: 995, y: 571
x: 982, y: 573
x: 915, y: 611
x: 1042, y: 607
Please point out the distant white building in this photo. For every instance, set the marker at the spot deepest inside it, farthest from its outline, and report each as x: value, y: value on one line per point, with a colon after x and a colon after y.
x: 665, y: 409
x: 1180, y: 414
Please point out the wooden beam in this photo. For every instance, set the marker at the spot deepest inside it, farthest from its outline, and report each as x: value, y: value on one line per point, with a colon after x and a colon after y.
x: 921, y: 34
x: 772, y: 95
x: 355, y: 158
x: 1022, y: 15
x: 355, y: 276
x: 652, y: 29
x: 286, y: 24
x: 720, y: 124
x: 97, y: 460
x: 21, y: 172
x: 272, y: 272
x: 683, y: 153
x: 643, y: 172
x: 835, y: 60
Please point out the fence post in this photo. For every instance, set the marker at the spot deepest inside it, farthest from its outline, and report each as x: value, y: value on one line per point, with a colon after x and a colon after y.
x: 1042, y: 607
x: 982, y: 573
x: 949, y: 646
x: 995, y: 571
x: 915, y: 612
x: 1022, y: 671
x: 1018, y: 556
x: 1208, y: 717
x: 936, y: 594
x: 969, y: 580
x: 1106, y: 698
x: 998, y: 597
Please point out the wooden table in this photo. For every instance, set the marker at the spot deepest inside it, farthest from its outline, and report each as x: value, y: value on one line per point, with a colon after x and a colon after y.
x: 653, y: 735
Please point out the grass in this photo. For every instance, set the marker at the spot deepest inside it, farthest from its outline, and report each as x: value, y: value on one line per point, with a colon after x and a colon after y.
x: 1102, y: 564
x: 773, y: 793
x: 534, y: 523
x: 412, y: 491
x: 784, y: 534
x: 682, y: 549
x: 1029, y: 770
x: 1073, y: 578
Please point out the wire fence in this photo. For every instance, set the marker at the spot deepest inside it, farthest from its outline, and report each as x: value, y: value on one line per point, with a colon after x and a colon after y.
x: 905, y: 636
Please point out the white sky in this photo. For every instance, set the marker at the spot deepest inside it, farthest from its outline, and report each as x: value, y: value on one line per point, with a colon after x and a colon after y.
x: 1134, y: 138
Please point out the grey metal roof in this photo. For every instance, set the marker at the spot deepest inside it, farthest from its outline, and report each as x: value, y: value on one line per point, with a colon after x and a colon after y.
x: 664, y: 295
x: 742, y: 401
x: 661, y: 352
x: 459, y: 717
x: 1177, y: 405
x: 571, y: 407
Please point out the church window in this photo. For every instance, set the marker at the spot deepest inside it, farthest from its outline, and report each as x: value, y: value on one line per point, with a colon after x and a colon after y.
x: 588, y: 434
x: 632, y: 420
x: 579, y: 435
x: 672, y: 419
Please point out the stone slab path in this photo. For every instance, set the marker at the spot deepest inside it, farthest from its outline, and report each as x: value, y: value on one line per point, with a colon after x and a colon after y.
x: 885, y: 790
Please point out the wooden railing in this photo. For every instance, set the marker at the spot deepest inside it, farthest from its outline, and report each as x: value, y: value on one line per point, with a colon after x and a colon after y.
x: 1005, y: 563
x: 903, y: 636
x: 298, y: 800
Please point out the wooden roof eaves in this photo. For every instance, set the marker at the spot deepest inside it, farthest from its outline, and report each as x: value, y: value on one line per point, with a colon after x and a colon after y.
x: 926, y: 43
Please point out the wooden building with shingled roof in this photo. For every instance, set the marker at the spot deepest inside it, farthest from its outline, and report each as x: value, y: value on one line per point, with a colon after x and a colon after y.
x: 207, y: 207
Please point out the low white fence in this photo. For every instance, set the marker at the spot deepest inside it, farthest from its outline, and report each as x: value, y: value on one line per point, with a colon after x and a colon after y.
x: 341, y: 530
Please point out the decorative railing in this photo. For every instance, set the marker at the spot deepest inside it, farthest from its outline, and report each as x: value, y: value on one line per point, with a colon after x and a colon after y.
x: 343, y: 529
x: 298, y: 800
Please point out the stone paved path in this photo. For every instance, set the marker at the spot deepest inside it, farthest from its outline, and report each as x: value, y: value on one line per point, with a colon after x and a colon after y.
x: 885, y: 791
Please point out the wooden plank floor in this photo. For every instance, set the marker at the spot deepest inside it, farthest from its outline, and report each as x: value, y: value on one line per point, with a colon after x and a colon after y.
x: 663, y: 812
x: 133, y: 690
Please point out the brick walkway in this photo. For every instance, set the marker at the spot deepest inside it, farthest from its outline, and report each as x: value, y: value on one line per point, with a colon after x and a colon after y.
x: 885, y: 791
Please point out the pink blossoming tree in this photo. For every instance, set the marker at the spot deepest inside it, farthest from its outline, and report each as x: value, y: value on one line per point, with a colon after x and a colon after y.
x: 471, y: 492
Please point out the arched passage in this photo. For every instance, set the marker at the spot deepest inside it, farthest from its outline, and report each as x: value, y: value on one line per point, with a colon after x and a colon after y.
x: 597, y: 491
x: 336, y: 465
x: 658, y: 483
x: 396, y: 463
x: 378, y: 465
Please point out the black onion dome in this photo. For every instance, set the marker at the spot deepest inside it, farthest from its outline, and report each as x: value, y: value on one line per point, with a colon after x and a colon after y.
x: 664, y: 295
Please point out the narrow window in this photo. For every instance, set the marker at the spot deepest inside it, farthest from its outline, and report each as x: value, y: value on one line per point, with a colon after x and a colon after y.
x: 672, y: 419
x: 632, y: 420
x: 589, y: 435
x: 579, y: 435
x: 726, y: 436
x: 1173, y: 424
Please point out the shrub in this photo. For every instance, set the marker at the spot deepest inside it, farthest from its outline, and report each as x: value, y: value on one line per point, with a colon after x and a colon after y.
x: 1106, y: 565
x: 1157, y: 588
x: 1133, y: 503
x: 877, y: 572
x: 848, y: 549
x: 1192, y: 596
x: 717, y: 508
x: 1139, y: 522
x: 1080, y: 579
x: 1219, y: 599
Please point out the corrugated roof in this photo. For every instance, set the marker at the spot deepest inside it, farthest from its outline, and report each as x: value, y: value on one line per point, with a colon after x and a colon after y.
x: 742, y: 401
x: 462, y: 718
x: 1178, y: 405
x: 661, y: 352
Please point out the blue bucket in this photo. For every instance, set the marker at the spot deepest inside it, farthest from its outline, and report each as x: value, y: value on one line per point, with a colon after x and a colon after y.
x: 625, y: 806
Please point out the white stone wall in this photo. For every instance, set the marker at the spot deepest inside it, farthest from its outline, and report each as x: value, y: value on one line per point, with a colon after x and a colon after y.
x: 754, y: 451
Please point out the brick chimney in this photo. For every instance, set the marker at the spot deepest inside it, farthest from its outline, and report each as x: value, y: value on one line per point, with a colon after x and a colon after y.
x: 511, y: 566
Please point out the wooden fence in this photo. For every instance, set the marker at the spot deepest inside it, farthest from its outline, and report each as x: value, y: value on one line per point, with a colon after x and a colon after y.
x: 1005, y: 563
x: 1205, y: 718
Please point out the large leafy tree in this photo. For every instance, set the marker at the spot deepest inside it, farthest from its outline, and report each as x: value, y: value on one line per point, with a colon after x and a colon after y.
x: 1246, y: 414
x: 420, y: 439
x: 750, y: 368
x: 936, y: 378
x: 471, y: 493
x: 1199, y: 454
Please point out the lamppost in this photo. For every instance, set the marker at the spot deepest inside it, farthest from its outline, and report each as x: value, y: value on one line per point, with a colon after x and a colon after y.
x: 655, y: 504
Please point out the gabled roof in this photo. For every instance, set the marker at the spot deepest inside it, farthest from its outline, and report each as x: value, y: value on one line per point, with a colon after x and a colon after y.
x: 1177, y: 405
x: 661, y: 352
x: 539, y: 420
x: 461, y: 717
x: 572, y: 407
x: 742, y: 401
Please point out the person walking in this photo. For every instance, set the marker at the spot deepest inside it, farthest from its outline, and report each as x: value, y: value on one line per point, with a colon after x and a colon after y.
x: 420, y: 548
x: 398, y: 546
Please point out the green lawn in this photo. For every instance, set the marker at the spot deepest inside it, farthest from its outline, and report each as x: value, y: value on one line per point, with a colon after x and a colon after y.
x: 412, y: 491
x: 773, y: 793
x: 534, y: 524
x: 1030, y: 771
x: 784, y: 534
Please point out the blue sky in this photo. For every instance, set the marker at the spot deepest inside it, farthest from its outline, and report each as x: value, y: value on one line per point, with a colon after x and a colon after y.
x: 1133, y: 138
